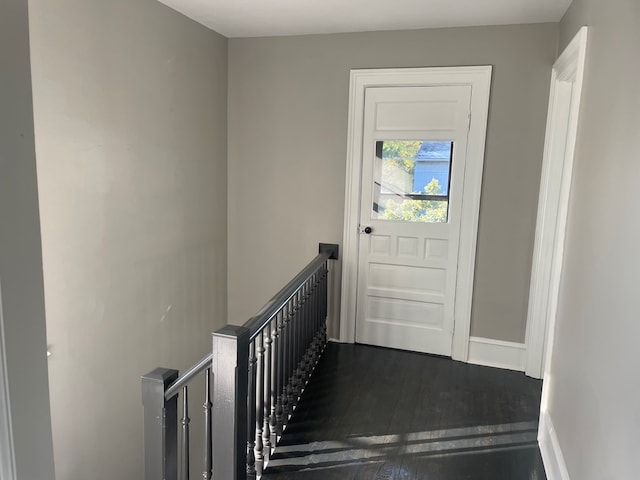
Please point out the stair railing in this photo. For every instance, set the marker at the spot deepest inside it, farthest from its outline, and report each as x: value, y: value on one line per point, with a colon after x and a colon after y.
x: 257, y: 372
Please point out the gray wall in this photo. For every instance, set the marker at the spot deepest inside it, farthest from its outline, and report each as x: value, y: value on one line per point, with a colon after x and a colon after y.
x: 288, y: 99
x: 23, y: 359
x: 130, y: 123
x: 594, y: 389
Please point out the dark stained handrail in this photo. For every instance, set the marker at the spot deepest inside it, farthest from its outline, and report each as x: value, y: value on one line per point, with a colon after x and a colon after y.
x: 281, y: 343
x: 187, y: 376
x: 256, y: 323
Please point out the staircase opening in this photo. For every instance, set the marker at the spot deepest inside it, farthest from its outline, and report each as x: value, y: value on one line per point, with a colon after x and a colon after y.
x: 254, y: 377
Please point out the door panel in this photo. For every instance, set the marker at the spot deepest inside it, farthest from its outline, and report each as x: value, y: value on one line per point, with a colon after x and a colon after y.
x: 407, y: 281
x: 407, y: 263
x: 415, y: 116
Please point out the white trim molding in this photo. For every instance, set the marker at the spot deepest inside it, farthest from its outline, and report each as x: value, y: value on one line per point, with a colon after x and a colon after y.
x: 553, y: 203
x: 554, y: 464
x: 7, y: 453
x: 479, y: 78
x: 497, y: 353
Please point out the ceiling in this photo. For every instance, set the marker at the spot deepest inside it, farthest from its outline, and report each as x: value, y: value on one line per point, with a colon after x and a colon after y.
x: 256, y: 18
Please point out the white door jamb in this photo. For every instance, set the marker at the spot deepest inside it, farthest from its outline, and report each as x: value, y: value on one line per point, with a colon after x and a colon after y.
x: 7, y: 453
x: 553, y: 203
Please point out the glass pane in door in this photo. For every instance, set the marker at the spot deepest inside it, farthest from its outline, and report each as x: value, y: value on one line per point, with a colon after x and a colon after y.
x: 411, y: 180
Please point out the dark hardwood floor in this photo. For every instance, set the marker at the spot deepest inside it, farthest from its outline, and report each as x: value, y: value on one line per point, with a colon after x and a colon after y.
x: 376, y: 413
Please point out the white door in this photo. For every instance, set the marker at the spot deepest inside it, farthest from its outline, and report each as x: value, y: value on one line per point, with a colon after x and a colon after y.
x: 413, y: 167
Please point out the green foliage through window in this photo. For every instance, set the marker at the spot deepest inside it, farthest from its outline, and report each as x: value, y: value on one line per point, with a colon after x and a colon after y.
x: 401, y: 153
x: 432, y: 211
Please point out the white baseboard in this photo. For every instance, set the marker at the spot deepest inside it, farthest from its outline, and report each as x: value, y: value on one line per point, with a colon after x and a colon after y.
x: 552, y: 457
x: 497, y: 353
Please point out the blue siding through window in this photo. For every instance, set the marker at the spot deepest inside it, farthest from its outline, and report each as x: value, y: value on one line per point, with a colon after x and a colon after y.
x: 432, y: 162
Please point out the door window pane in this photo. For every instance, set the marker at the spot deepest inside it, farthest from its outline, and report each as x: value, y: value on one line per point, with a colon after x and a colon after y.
x: 411, y: 180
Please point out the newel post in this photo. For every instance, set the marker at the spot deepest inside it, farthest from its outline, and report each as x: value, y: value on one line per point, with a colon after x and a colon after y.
x: 160, y: 419
x: 230, y: 386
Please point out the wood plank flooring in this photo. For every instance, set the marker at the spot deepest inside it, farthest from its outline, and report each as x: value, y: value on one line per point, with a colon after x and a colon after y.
x: 376, y: 413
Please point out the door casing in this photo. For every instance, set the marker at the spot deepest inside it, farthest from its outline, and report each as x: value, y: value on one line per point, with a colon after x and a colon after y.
x: 479, y: 78
x: 553, y: 203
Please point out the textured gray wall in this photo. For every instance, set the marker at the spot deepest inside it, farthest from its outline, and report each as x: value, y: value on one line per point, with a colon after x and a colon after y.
x: 594, y: 391
x: 22, y: 318
x: 130, y: 122
x: 288, y: 102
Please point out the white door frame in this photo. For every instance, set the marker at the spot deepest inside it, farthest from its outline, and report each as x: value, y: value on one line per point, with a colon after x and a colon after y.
x: 479, y: 78
x: 7, y: 454
x: 553, y: 203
